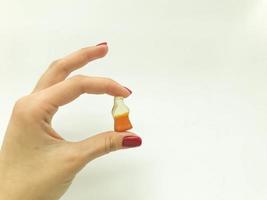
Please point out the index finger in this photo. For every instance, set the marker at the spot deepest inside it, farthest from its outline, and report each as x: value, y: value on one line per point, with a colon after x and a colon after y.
x: 68, y: 90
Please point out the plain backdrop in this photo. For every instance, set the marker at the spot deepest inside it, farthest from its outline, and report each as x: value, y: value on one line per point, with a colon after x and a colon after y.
x: 198, y: 72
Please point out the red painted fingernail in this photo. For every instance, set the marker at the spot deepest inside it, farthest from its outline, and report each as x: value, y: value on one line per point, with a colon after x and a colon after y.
x: 103, y: 43
x: 128, y: 90
x: 131, y: 141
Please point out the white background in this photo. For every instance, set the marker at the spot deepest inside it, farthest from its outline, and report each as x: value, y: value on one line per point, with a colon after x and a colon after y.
x: 197, y: 69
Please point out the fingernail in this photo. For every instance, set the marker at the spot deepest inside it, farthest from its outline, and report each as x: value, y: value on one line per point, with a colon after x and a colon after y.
x: 103, y: 43
x: 131, y: 141
x: 128, y: 90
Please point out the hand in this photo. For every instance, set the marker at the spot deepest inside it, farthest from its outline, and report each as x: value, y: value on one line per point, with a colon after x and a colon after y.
x: 36, y: 163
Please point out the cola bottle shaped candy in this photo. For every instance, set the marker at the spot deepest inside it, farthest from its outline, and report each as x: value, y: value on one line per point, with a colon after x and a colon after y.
x: 120, y: 113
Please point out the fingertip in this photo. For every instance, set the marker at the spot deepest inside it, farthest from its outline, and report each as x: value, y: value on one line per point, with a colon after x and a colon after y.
x: 124, y: 92
x: 131, y: 141
x: 113, y: 88
x: 102, y: 44
x: 102, y: 48
x: 129, y: 92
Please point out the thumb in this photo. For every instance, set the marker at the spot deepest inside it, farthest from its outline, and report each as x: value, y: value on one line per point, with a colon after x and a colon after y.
x: 107, y: 142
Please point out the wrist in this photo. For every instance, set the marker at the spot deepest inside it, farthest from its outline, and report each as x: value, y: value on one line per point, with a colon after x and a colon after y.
x: 10, y: 187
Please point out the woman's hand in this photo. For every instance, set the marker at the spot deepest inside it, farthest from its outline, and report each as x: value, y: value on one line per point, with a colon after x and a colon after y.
x: 36, y: 163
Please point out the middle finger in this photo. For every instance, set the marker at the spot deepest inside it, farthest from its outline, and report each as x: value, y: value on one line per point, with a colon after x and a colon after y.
x: 60, y: 69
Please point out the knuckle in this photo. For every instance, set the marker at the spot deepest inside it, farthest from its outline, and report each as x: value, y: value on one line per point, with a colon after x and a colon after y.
x: 55, y: 63
x: 110, y: 144
x: 21, y: 102
x: 26, y: 108
x: 24, y: 104
x: 79, y: 81
x: 21, y: 107
x: 60, y: 65
x: 78, y: 77
x: 110, y: 84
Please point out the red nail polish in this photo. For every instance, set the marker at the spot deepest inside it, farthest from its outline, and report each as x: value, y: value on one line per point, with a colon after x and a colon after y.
x: 131, y: 141
x: 103, y: 43
x: 128, y: 90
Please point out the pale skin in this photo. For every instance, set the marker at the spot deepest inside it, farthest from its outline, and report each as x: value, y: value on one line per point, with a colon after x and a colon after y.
x: 36, y: 163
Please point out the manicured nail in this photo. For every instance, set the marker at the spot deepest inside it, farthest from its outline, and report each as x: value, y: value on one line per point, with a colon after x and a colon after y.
x: 131, y: 141
x: 103, y: 43
x: 128, y: 90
